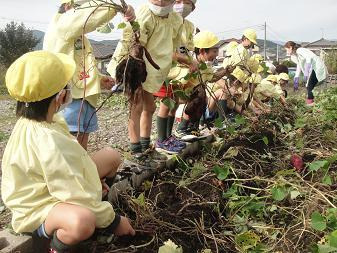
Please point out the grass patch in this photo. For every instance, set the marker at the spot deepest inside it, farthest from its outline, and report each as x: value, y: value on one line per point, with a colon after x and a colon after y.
x: 3, y: 136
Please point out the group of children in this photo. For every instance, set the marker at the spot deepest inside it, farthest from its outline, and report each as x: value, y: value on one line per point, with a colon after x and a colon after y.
x: 46, y: 170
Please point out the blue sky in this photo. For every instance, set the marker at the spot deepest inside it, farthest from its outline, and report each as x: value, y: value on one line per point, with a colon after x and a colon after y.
x: 300, y: 20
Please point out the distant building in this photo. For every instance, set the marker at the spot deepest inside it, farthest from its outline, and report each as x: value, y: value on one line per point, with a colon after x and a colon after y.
x: 103, y: 52
x: 320, y: 46
x: 222, y: 45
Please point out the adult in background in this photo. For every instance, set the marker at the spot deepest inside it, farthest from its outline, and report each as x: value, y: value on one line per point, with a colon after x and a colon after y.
x: 310, y: 65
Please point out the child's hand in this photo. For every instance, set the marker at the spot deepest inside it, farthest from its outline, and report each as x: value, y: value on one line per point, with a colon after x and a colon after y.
x: 107, y: 82
x: 130, y: 14
x: 124, y: 228
x: 194, y: 66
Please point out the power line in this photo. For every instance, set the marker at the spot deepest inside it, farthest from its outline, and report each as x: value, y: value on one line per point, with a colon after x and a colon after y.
x: 277, y: 34
x: 259, y: 27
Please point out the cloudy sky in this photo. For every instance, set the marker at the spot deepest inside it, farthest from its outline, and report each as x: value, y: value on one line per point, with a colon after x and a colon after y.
x: 299, y: 20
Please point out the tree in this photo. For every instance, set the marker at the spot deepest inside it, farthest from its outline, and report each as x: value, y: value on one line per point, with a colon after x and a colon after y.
x: 15, y: 40
x: 331, y: 62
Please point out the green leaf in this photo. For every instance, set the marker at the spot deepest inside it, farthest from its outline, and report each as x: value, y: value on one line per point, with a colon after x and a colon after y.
x: 169, y: 102
x: 181, y: 94
x: 231, y: 192
x: 135, y: 26
x: 332, y: 159
x: 221, y: 172
x: 174, y: 64
x: 240, y: 120
x: 247, y: 240
x: 231, y: 152
x: 299, y: 143
x: 294, y: 194
x: 333, y: 239
x: 187, y: 77
x: 140, y: 201
x: 318, y: 222
x: 104, y: 29
x: 279, y: 193
x: 315, y: 166
x: 202, y: 66
x: 194, y: 75
x: 326, y: 249
x: 265, y: 140
x: 218, y: 123
x: 290, y: 172
x: 327, y: 180
x: 231, y: 129
x: 121, y: 26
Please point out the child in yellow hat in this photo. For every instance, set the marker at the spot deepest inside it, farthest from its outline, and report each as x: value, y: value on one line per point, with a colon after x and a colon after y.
x: 64, y: 35
x: 167, y: 142
x: 160, y: 33
x: 206, y: 52
x: 241, y: 55
x: 49, y: 182
x: 267, y: 90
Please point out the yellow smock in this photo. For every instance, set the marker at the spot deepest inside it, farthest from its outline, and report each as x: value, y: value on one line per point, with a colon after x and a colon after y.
x: 64, y: 35
x: 240, y: 56
x: 187, y: 42
x: 43, y: 165
x: 160, y: 36
x: 267, y: 89
x: 187, y: 35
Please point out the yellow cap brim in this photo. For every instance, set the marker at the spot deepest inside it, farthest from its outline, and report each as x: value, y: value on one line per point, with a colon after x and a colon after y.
x: 69, y: 66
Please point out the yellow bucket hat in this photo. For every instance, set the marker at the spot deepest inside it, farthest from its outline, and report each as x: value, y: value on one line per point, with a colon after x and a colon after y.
x: 272, y: 78
x: 205, y: 39
x: 257, y: 57
x: 240, y: 75
x: 283, y: 76
x: 38, y: 75
x: 251, y: 35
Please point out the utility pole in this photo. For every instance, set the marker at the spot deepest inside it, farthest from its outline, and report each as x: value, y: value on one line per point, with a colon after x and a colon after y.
x: 277, y: 53
x: 265, y: 41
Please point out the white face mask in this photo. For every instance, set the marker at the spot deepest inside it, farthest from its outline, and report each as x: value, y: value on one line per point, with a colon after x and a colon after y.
x: 209, y: 63
x: 68, y: 99
x: 161, y: 11
x: 183, y: 9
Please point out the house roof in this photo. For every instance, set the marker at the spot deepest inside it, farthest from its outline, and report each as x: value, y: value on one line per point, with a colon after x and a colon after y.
x: 223, y: 42
x: 322, y: 43
x: 105, y: 49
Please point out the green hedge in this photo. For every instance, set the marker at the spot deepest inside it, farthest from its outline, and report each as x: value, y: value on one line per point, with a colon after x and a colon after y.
x: 3, y: 89
x: 331, y: 62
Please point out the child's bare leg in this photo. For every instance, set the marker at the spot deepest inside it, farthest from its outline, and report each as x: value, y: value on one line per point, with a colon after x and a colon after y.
x: 83, y: 139
x: 77, y: 225
x: 149, y: 108
x: 134, y: 123
x: 107, y: 161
